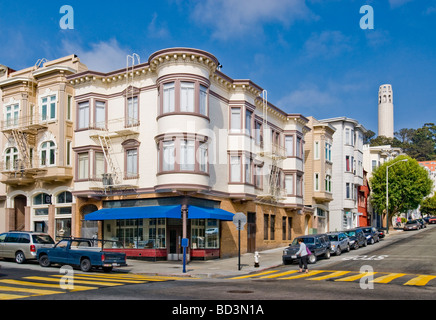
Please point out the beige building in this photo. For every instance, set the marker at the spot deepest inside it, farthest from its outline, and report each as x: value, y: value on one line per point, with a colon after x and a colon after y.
x: 318, y: 172
x: 36, y: 145
x: 172, y: 147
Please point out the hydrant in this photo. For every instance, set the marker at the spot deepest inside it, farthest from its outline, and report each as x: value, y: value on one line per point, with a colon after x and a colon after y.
x: 256, y: 259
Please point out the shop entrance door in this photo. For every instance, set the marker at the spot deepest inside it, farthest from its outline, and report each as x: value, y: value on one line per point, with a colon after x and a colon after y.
x: 251, y: 232
x: 19, y: 204
x: 174, y: 248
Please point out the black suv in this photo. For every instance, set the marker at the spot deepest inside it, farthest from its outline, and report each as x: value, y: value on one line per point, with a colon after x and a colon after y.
x: 318, y: 244
x: 371, y: 234
x: 357, y: 238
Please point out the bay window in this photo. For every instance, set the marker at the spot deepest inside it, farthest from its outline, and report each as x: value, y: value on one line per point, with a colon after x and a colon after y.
x: 187, y: 97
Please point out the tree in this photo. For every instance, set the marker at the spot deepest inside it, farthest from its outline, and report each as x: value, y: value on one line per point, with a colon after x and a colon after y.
x: 409, y: 183
x: 428, y: 206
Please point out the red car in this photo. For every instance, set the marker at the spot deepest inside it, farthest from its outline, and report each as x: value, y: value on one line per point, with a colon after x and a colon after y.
x: 432, y: 220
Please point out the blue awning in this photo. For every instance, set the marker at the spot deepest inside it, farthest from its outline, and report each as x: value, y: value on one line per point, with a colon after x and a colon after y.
x: 195, y: 212
x: 135, y: 213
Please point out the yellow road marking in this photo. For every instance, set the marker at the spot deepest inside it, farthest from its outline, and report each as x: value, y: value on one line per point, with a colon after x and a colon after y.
x: 304, y: 275
x: 357, y: 277
x: 254, y: 275
x: 29, y: 290
x: 135, y: 277
x: 278, y: 274
x: 420, y: 280
x: 4, y: 296
x: 108, y: 284
x: 100, y: 279
x: 43, y: 285
x: 334, y: 274
x: 388, y: 278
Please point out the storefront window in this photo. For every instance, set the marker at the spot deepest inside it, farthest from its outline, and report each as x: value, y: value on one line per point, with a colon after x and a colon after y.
x: 204, y: 234
x: 63, y: 228
x: 137, y: 233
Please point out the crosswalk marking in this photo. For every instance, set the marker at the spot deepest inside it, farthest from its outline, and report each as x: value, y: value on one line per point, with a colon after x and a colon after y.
x: 43, y: 285
x: 304, y: 275
x: 334, y: 274
x: 254, y: 275
x: 29, y: 290
x: 357, y: 276
x: 100, y: 283
x: 6, y: 296
x: 76, y: 277
x: 31, y: 286
x: 388, y: 278
x: 278, y: 274
x: 383, y: 277
x: 420, y: 280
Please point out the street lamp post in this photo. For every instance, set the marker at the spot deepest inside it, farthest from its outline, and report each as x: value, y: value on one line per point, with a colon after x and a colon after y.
x: 387, y: 192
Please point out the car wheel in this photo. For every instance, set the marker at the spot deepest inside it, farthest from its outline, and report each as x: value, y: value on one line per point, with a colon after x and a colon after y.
x: 44, y: 261
x: 327, y: 254
x: 372, y: 241
x: 19, y: 257
x: 312, y: 259
x: 85, y: 265
x: 356, y: 246
x: 365, y: 243
x: 338, y: 251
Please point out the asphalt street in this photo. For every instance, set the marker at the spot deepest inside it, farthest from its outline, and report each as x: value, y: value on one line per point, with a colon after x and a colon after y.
x: 404, y: 269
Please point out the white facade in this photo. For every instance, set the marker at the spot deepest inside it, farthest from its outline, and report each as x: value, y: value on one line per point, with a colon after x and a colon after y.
x: 347, y: 158
x: 386, y: 111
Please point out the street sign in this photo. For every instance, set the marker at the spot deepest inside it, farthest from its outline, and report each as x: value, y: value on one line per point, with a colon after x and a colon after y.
x: 239, y: 219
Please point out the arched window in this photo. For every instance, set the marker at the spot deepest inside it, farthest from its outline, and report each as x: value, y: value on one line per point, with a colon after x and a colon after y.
x: 64, y: 197
x: 48, y: 153
x: 11, y: 158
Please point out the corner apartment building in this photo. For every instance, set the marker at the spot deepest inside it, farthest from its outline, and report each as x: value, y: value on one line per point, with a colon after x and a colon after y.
x: 373, y: 157
x: 172, y: 147
x: 347, y: 172
x: 36, y: 145
x: 318, y: 170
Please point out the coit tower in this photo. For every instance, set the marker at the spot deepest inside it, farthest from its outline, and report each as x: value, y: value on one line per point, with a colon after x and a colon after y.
x: 386, y: 111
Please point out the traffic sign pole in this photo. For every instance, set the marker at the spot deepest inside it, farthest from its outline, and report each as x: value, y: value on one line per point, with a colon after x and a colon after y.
x: 239, y: 241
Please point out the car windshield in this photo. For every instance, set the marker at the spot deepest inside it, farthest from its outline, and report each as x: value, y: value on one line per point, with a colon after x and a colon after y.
x: 366, y: 230
x: 308, y: 240
x: 42, y: 239
x: 351, y: 233
x: 333, y: 237
x: 411, y: 222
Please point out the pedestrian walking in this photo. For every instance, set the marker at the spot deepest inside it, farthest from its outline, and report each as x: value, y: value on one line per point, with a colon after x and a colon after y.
x: 302, y: 254
x: 398, y: 222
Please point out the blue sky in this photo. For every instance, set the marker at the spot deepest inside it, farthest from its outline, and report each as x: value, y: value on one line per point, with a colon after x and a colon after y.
x: 311, y: 56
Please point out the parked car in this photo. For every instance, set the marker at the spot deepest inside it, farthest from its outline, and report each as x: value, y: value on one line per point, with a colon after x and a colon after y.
x: 318, y: 244
x: 422, y: 222
x: 22, y: 245
x: 381, y: 232
x: 412, y: 225
x: 339, y: 242
x: 357, y: 238
x: 81, y: 252
x: 432, y: 220
x: 371, y: 234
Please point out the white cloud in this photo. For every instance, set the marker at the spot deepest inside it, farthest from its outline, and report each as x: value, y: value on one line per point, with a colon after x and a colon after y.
x: 327, y: 44
x: 156, y: 30
x: 230, y: 18
x: 398, y: 3
x: 307, y: 99
x: 103, y: 56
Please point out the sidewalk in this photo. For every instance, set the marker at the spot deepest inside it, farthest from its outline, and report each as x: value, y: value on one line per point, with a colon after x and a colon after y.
x: 225, y: 267
x: 209, y: 268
